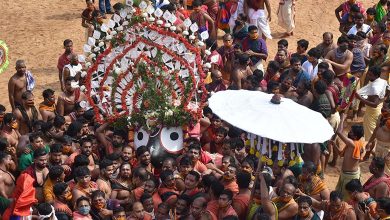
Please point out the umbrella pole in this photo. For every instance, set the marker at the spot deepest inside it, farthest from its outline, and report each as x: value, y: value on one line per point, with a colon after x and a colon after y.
x: 257, y: 173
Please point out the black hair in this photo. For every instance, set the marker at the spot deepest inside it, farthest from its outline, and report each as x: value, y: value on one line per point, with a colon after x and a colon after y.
x: 81, y: 160
x: 379, y: 162
x: 310, y: 166
x: 384, y: 203
x: 382, y: 48
x: 359, y: 16
x: 272, y: 85
x: 306, y: 84
x: 3, y: 155
x: 195, y: 174
x: 186, y: 198
x: 283, y: 42
x: 46, y: 126
x: 55, y: 148
x: 382, y: 26
x: 328, y: 76
x: 141, y: 150
x: 230, y: 217
x: 227, y: 192
x: 208, y: 180
x: 8, y: 118
x: 303, y: 43
x: 354, y: 186
x: 47, y: 93
x: 371, y: 11
x: 3, y: 144
x: 114, y: 156
x: 274, y: 65
x: 221, y: 130
x: 144, y: 197
x: 2, y: 108
x: 74, y: 128
x: 185, y: 161
x: 82, y: 198
x: 59, y: 188
x: 105, y: 163
x: 55, y: 172
x: 361, y: 34
x: 305, y: 199
x: 165, y: 174
x: 98, y: 193
x: 315, y: 52
x: 320, y: 87
x: 342, y: 39
x: 354, y: 8
x: 118, y: 209
x: 34, y: 136
x: 243, y: 58
x: 375, y: 70
x: 291, y: 180
x: 258, y: 74
x: 217, y: 188
x: 358, y: 131
x: 243, y: 180
x: 295, y: 59
x: 39, y: 152
x: 85, y: 140
x: 67, y: 41
x: 141, y: 173
x: 118, y: 6
x: 26, y: 94
x: 58, y: 121
x: 252, y: 27
x: 323, y: 65
x: 81, y: 171
x: 334, y: 195
x: 197, y: 3
x: 195, y: 146
x: 45, y: 209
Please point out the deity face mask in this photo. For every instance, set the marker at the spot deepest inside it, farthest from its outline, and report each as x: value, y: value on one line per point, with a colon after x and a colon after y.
x: 164, y: 142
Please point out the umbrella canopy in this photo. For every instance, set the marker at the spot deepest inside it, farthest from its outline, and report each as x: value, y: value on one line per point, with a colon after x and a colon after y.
x: 287, y: 122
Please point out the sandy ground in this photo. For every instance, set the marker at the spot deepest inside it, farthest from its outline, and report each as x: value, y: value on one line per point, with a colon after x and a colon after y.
x: 34, y: 31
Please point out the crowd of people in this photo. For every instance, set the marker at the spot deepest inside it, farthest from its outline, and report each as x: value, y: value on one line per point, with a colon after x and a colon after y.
x: 58, y: 162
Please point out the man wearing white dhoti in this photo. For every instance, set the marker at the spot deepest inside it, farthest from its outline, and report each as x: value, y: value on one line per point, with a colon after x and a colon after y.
x: 258, y: 16
x: 286, y: 16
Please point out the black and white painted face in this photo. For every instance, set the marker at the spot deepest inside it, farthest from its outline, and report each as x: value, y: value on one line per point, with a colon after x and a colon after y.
x: 163, y: 143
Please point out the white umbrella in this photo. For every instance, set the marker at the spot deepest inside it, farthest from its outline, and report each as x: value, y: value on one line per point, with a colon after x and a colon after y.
x: 287, y: 122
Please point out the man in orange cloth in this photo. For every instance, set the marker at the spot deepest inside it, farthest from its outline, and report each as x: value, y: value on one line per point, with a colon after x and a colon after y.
x: 23, y: 198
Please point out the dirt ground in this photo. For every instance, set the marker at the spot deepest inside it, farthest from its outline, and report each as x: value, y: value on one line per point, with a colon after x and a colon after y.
x: 34, y: 31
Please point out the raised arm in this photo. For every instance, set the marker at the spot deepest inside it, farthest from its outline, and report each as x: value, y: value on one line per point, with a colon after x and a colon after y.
x: 348, y: 142
x: 100, y: 135
x: 337, y: 12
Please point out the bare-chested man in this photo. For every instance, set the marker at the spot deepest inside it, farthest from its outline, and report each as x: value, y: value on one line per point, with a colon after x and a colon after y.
x: 26, y: 113
x: 241, y: 71
x: 121, y: 187
x: 305, y: 97
x: 353, y: 154
x: 84, y: 185
x: 257, y: 16
x: 340, y: 58
x: 106, y: 170
x: 68, y: 99
x: 10, y: 131
x: 47, y: 108
x: 381, y: 134
x: 39, y: 171
x: 86, y: 149
x: 327, y: 44
x: 378, y: 185
x: 17, y: 84
x: 7, y: 180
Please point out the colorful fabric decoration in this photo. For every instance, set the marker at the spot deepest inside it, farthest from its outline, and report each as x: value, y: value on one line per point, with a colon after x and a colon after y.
x: 4, y: 59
